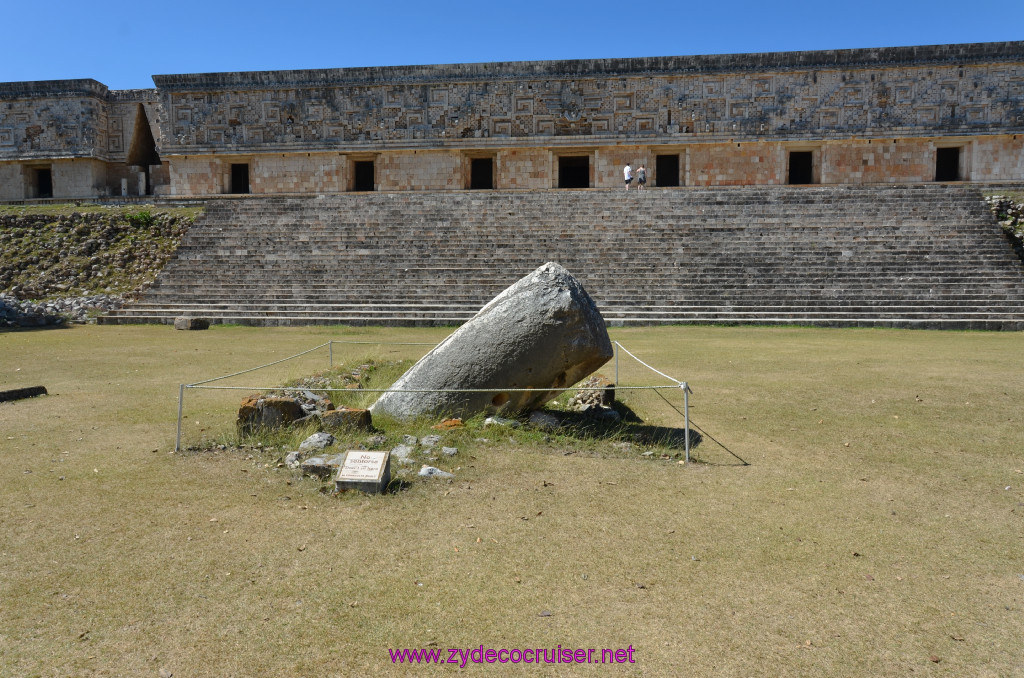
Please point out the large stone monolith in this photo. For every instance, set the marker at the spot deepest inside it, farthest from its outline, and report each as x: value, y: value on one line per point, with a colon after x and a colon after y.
x: 542, y: 332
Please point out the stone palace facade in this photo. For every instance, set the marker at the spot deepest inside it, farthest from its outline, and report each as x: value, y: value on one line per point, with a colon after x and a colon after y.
x: 899, y: 114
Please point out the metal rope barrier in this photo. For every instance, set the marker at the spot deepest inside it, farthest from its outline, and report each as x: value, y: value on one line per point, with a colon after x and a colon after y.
x: 678, y: 383
x: 421, y: 390
x: 329, y: 344
x: 276, y: 362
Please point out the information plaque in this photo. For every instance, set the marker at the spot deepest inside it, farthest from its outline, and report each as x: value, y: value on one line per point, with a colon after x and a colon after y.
x: 366, y: 471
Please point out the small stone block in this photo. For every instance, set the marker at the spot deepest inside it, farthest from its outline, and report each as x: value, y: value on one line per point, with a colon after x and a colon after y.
x: 323, y: 467
x: 317, y: 442
x: 501, y: 421
x: 19, y: 393
x: 186, y: 323
x: 403, y: 453
x: 256, y: 412
x: 430, y: 441
x: 364, y: 470
x: 434, y: 472
x: 346, y: 418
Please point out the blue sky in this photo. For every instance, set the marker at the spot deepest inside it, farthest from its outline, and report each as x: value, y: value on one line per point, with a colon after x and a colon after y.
x: 123, y: 44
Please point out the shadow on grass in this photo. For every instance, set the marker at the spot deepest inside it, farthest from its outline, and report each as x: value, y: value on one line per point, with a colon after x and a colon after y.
x: 707, y: 462
x: 397, y: 485
x: 36, y: 328
x: 394, y: 487
x: 630, y: 428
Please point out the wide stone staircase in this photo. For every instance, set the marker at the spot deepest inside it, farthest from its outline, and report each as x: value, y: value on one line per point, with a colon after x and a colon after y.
x: 920, y: 255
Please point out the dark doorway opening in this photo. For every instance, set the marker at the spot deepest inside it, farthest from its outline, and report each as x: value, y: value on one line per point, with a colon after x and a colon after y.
x: 666, y: 170
x: 801, y: 167
x: 142, y: 151
x: 574, y: 171
x: 239, y: 178
x: 363, y: 171
x: 947, y: 164
x: 481, y: 173
x: 44, y: 183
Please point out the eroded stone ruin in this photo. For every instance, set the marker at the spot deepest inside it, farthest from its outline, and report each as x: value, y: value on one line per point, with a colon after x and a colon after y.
x: 544, y: 332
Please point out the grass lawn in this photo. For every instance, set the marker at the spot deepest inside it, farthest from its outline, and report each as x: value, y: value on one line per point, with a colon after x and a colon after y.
x: 878, y: 530
x: 123, y: 211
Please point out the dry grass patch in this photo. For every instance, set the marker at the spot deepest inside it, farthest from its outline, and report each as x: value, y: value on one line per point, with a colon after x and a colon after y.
x: 872, y: 532
x: 123, y: 211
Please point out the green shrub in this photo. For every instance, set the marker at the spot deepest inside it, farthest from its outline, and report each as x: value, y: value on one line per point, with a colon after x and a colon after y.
x: 141, y: 219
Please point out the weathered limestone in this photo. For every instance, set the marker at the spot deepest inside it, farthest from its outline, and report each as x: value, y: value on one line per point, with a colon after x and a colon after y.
x: 501, y: 421
x: 257, y: 412
x: 316, y: 442
x: 596, y: 391
x: 862, y: 116
x: 403, y: 453
x: 323, y: 466
x: 187, y: 323
x: 543, y: 332
x: 428, y: 442
x: 346, y: 418
x: 434, y: 472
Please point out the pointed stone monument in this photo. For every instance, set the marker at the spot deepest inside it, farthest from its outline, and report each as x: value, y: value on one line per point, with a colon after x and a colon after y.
x: 544, y: 332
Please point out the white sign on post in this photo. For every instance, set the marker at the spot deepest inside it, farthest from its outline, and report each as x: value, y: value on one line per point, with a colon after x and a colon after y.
x: 364, y: 470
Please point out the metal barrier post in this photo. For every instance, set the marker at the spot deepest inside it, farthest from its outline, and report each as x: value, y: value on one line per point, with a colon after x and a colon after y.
x: 330, y: 352
x: 181, y: 399
x: 616, y: 363
x: 686, y: 417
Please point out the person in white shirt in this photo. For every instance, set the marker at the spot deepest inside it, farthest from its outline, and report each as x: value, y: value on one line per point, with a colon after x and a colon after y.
x: 627, y: 174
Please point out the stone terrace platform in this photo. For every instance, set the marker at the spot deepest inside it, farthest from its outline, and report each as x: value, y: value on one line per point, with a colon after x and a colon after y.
x: 921, y: 255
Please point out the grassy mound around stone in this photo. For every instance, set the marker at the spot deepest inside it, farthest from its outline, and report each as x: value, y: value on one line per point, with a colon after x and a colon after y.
x: 56, y: 251
x: 559, y: 428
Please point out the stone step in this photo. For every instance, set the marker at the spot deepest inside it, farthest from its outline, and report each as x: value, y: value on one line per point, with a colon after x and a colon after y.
x: 369, y: 294
x: 639, y: 313
x: 997, y: 324
x: 733, y: 254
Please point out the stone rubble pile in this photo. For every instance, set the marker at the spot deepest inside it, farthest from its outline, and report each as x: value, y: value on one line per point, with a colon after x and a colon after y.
x: 318, y: 456
x: 1009, y: 213
x: 596, y: 390
x: 596, y: 397
x: 317, y: 406
x: 49, y: 255
x: 350, y: 380
x: 17, y: 313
